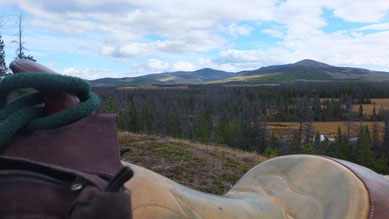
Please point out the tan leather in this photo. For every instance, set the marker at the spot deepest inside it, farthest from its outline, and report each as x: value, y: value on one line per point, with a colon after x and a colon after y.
x: 54, y: 102
x: 377, y: 187
x: 295, y: 186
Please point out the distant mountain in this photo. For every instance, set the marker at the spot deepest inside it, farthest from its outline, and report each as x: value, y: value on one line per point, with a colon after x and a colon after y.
x: 305, y: 70
x: 190, y: 77
x: 179, y: 77
x: 310, y: 70
x: 111, y: 81
x: 304, y: 65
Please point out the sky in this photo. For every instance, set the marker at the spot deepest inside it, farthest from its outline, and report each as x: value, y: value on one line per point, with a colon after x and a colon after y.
x: 126, y: 38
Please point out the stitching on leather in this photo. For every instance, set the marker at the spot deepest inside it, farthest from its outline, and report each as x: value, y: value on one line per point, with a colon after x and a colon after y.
x: 263, y: 189
x: 178, y: 203
x: 144, y: 205
x: 247, y: 190
x: 287, y: 213
x: 176, y: 197
x: 294, y: 190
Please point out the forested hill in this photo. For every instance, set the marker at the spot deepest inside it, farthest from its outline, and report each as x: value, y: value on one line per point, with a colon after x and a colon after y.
x: 305, y: 70
x: 179, y: 77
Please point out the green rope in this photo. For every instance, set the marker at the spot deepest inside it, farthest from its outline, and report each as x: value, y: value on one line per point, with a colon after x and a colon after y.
x: 27, y: 113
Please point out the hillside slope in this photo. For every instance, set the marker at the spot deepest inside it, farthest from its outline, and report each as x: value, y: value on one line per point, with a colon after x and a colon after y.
x: 179, y: 77
x: 305, y: 70
x: 212, y: 169
x: 310, y: 70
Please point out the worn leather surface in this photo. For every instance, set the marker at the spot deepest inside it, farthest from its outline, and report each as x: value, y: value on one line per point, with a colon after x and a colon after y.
x: 89, y: 145
x: 54, y: 102
x: 25, y: 65
x: 377, y: 186
x: 295, y: 186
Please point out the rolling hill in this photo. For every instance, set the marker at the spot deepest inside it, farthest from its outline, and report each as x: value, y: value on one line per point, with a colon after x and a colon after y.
x: 310, y: 70
x: 179, y: 77
x: 208, y: 168
x: 305, y: 70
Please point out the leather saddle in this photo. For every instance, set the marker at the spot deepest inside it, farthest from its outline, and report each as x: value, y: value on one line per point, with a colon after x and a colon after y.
x: 294, y: 186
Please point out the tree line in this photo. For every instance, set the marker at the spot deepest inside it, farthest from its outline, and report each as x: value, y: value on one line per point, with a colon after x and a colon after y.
x: 237, y: 116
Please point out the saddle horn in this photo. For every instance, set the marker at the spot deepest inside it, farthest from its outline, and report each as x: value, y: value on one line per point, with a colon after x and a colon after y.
x: 54, y: 101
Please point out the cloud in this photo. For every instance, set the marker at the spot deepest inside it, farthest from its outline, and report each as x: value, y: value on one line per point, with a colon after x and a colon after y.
x: 359, y: 10
x: 209, y: 32
x: 152, y: 66
x: 86, y: 73
x: 338, y: 48
x: 383, y: 26
x: 193, y: 41
x: 273, y: 33
x: 209, y: 63
x: 183, y: 66
x: 187, y: 26
x: 239, y: 30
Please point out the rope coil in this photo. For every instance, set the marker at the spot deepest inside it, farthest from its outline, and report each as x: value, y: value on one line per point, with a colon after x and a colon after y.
x: 27, y: 113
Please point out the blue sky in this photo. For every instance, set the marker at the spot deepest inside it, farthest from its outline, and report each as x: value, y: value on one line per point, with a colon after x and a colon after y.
x: 123, y: 38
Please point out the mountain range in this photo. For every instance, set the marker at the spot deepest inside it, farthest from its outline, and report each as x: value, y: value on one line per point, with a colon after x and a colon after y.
x: 305, y: 70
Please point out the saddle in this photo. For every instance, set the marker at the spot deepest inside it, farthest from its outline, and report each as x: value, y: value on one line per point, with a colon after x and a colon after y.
x: 294, y: 186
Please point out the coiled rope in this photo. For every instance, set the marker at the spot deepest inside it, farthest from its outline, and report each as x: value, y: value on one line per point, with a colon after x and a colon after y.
x: 27, y: 113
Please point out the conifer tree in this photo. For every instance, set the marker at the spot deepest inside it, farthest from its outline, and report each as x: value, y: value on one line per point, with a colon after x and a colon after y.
x: 365, y: 154
x: 203, y: 126
x: 3, y: 65
x: 20, y: 43
x: 111, y: 107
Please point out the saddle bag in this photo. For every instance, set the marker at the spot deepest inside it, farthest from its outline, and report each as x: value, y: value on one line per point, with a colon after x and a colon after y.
x: 73, y: 172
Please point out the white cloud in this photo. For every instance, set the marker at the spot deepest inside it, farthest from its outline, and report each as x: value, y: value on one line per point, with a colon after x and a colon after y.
x: 209, y: 63
x: 107, y: 50
x: 273, y: 33
x: 194, y: 28
x: 359, y: 10
x: 152, y: 66
x: 239, y: 30
x: 193, y: 41
x: 187, y: 26
x: 87, y: 73
x: 383, y: 26
x: 183, y: 66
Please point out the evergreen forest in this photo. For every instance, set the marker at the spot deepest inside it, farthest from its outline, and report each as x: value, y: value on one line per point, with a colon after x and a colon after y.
x: 237, y: 116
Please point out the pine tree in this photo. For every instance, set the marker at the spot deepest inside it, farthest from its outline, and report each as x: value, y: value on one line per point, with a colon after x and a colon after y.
x: 135, y: 122
x: 3, y: 65
x: 111, y: 107
x: 360, y: 114
x: 203, y: 126
x: 222, y: 132
x: 20, y: 48
x: 364, y: 154
x: 147, y: 117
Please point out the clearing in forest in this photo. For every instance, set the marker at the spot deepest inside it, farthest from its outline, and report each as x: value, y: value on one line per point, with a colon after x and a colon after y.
x: 328, y: 129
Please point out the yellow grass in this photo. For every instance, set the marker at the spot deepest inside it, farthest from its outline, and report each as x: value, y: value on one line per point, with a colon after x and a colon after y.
x: 328, y: 129
x: 151, y: 87
x: 238, y: 78
x: 378, y: 103
x: 382, y: 103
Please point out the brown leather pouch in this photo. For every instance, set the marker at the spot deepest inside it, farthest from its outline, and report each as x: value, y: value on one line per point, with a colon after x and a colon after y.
x: 32, y: 190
